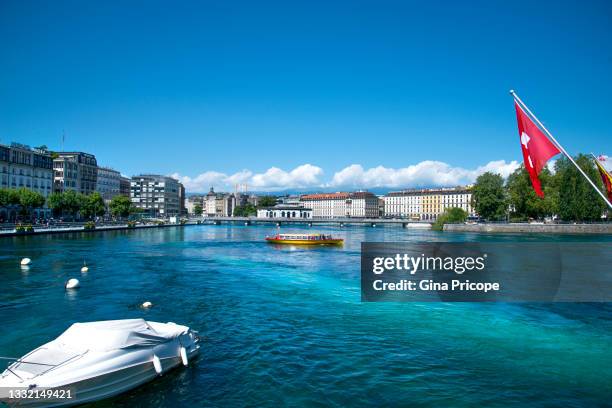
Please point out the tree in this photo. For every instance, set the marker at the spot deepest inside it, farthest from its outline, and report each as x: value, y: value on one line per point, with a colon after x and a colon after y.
x: 29, y: 200
x: 71, y: 203
x: 524, y: 201
x: 198, y: 209
x: 578, y: 201
x: 244, y: 210
x: 4, y: 197
x: 120, y: 206
x: 450, y: 216
x: 488, y: 196
x: 55, y: 203
x: 266, y: 201
x: 9, y: 197
x: 93, y: 205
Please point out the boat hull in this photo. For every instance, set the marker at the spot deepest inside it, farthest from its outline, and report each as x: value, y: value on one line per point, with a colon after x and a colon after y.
x: 305, y: 241
x: 94, y: 376
x: 102, y: 387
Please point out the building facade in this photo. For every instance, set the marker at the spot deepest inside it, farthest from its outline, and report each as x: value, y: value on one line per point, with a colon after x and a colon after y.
x: 360, y: 204
x: 76, y: 171
x: 108, y: 183
x: 285, y: 211
x: 192, y: 202
x: 157, y: 196
x: 24, y: 167
x: 219, y: 204
x: 427, y: 204
x: 124, y: 186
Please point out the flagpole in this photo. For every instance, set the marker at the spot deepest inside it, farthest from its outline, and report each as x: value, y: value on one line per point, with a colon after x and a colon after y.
x: 516, y: 98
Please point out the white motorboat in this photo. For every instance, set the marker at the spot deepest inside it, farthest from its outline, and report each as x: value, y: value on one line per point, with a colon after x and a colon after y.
x: 96, y: 360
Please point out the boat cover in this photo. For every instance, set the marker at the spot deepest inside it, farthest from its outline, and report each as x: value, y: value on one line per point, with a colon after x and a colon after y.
x: 114, y: 334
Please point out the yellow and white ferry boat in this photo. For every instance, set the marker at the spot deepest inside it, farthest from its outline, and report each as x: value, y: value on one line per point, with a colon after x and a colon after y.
x: 304, y: 239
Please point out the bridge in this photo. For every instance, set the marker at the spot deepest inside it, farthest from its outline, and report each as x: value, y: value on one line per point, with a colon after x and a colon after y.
x: 371, y: 222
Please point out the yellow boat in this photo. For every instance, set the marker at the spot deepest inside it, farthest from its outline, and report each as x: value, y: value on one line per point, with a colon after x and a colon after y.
x: 304, y: 239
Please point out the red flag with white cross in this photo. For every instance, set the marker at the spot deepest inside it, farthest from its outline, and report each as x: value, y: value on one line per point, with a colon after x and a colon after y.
x: 537, y: 148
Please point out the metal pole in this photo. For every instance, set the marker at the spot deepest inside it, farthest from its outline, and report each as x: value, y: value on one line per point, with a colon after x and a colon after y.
x: 516, y: 98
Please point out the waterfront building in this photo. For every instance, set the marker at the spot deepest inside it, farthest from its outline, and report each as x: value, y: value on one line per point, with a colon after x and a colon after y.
x: 108, y: 183
x: 192, y: 201
x: 253, y: 200
x: 360, y: 204
x: 290, y: 200
x: 76, y: 171
x: 221, y: 204
x: 182, y: 209
x: 24, y: 167
x: 427, y: 204
x: 285, y: 211
x: 124, y: 186
x: 157, y: 196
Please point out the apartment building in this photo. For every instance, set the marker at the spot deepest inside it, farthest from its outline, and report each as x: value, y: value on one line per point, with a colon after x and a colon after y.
x: 108, y: 183
x: 76, y: 171
x: 427, y: 204
x: 24, y: 167
x: 219, y: 204
x: 360, y: 204
x: 158, y: 196
x: 124, y: 186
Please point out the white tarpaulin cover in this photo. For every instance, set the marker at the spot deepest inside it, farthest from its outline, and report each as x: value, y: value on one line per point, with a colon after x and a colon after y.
x: 112, y: 335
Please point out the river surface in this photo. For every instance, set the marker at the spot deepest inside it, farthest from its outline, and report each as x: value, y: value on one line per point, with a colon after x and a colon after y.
x: 285, y: 326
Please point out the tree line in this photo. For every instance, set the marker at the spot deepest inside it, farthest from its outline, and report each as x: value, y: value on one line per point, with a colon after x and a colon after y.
x: 567, y: 195
x: 69, y: 203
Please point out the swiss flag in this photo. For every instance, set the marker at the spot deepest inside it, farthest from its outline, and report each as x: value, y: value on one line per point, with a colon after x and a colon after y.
x: 537, y: 148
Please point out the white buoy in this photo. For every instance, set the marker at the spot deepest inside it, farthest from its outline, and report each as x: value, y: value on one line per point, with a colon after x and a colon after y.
x: 84, y: 268
x: 147, y: 305
x: 73, y: 283
x: 157, y: 364
x: 184, y: 358
x: 26, y: 261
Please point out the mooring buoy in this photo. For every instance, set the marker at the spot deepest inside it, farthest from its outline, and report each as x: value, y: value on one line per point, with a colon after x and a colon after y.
x: 73, y: 283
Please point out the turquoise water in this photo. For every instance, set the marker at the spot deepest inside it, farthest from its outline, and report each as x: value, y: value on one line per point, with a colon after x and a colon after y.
x: 285, y: 326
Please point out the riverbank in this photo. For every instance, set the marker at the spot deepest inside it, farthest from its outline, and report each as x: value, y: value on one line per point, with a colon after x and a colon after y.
x: 98, y: 228
x: 602, y: 228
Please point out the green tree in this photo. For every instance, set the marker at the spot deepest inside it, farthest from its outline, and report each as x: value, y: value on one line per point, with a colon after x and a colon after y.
x: 198, y: 209
x: 71, y: 203
x: 9, y: 197
x: 450, y: 216
x: 266, y: 201
x: 578, y: 201
x: 55, y: 203
x: 28, y: 200
x: 245, y: 210
x: 4, y: 197
x: 522, y: 198
x: 120, y: 206
x: 489, y: 197
x: 93, y: 205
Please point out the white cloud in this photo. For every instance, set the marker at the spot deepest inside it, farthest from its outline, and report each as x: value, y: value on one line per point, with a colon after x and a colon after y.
x: 303, y: 176
x: 307, y: 176
x: 425, y: 173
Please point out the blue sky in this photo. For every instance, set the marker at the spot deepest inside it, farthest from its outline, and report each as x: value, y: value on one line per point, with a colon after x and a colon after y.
x: 304, y: 94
